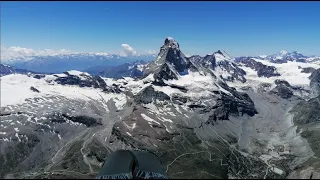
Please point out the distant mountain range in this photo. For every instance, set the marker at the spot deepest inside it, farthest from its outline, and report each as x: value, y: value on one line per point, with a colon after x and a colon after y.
x: 6, y: 70
x: 284, y: 56
x: 65, y: 62
x: 115, y: 66
x: 103, y: 64
x: 133, y: 69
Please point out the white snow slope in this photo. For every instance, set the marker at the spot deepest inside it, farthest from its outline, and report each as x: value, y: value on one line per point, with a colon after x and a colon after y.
x: 15, y: 89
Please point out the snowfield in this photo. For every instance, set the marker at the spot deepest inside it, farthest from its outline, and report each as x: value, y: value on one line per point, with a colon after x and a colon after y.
x: 290, y: 71
x: 15, y: 89
x: 198, y: 85
x: 130, y: 84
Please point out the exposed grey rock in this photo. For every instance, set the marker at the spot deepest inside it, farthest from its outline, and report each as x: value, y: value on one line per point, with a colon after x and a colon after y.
x: 236, y: 72
x: 62, y: 118
x: 264, y: 87
x: 179, y: 99
x: 308, y: 70
x: 262, y: 70
x: 87, y: 81
x: 283, y: 91
x: 307, y: 111
x: 210, y: 62
x: 282, y: 82
x: 236, y: 105
x: 305, y: 173
x: 181, y: 88
x: 75, y: 80
x: 34, y: 89
x: 38, y: 76
x: 315, y: 81
x: 170, y: 62
x: 148, y: 95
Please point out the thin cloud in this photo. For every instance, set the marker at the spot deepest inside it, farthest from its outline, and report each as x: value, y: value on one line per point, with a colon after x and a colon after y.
x: 21, y: 53
x: 151, y: 52
x: 127, y: 50
x: 16, y: 52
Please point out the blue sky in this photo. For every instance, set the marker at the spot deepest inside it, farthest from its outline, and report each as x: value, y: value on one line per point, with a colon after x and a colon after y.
x: 240, y: 28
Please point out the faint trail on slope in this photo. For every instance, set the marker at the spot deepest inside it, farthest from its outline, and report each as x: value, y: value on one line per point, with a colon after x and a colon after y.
x: 210, y: 174
x: 53, y: 160
x: 187, y: 154
x: 85, y: 159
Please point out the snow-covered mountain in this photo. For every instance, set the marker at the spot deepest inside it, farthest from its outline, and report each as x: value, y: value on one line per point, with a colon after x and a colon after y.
x: 6, y: 70
x: 284, y: 56
x: 219, y: 64
x: 229, y: 118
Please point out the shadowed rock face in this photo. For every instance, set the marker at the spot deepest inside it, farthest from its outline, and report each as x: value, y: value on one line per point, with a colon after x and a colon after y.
x: 307, y: 111
x: 86, y: 81
x: 315, y: 81
x: 237, y: 105
x: 283, y: 91
x: 210, y: 62
x: 236, y: 72
x: 34, y: 89
x: 170, y: 62
x: 282, y: 82
x: 262, y: 70
x: 88, y: 121
x: 308, y: 70
x: 38, y: 76
x: 148, y: 95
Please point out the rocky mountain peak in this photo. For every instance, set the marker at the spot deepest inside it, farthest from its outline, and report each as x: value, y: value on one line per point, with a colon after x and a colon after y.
x: 170, y: 62
x: 283, y: 52
x: 223, y: 53
x: 169, y: 41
